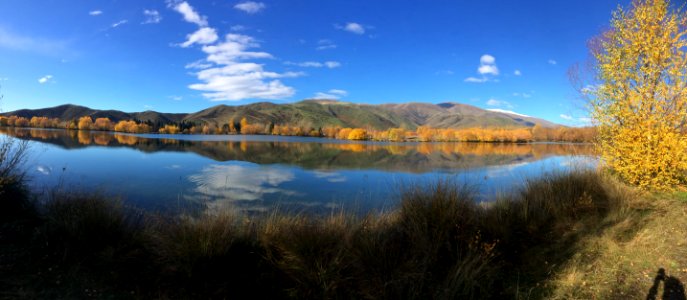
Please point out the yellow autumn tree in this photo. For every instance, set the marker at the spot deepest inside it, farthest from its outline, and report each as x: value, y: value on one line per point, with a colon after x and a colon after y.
x: 640, y: 102
x: 85, y: 123
x: 357, y: 134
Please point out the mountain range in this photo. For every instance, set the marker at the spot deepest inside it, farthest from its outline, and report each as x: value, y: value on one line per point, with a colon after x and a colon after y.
x: 315, y: 113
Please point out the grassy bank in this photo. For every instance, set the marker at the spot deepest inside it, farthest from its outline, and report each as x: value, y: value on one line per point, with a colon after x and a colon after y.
x: 543, y: 242
x: 575, y: 235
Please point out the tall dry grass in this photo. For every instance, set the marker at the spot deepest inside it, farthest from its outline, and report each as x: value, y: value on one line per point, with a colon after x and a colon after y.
x: 438, y: 244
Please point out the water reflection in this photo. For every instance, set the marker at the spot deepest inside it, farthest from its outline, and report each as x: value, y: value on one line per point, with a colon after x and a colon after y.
x: 236, y: 182
x: 259, y: 173
x: 320, y: 154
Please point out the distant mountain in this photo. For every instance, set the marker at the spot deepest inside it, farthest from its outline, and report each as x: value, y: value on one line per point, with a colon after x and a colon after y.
x: 316, y: 113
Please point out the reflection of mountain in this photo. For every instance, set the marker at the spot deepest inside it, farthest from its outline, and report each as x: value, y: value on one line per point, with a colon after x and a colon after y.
x: 322, y: 155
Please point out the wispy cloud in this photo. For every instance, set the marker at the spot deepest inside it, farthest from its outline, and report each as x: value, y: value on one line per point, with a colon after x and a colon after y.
x: 331, y: 94
x: 517, y: 73
x: 487, y: 68
x: 582, y: 121
x: 499, y: 103
x: 250, y: 7
x: 176, y: 98
x: 352, y: 27
x: 95, y: 12
x: 203, y: 36
x: 552, y: 62
x: 523, y: 95
x: 45, y: 79
x: 227, y: 73
x: 476, y: 80
x: 235, y: 79
x: 120, y: 23
x: 325, y: 44
x: 189, y: 14
x: 50, y: 47
x: 198, y: 64
x: 237, y: 28
x: 152, y: 16
x: 315, y: 64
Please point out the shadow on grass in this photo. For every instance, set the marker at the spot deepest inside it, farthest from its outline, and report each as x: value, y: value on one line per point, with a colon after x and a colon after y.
x: 673, y: 289
x: 439, y: 244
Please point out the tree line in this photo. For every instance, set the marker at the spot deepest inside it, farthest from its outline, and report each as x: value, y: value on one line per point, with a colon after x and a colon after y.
x: 422, y: 133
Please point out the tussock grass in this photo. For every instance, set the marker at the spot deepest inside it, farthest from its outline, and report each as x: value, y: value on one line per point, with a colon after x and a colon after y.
x: 551, y: 239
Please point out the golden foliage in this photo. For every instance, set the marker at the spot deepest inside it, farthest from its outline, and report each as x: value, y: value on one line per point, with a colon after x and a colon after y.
x: 103, y: 124
x: 169, y: 129
x: 641, y: 103
x: 131, y: 127
x: 85, y: 123
x: 357, y: 134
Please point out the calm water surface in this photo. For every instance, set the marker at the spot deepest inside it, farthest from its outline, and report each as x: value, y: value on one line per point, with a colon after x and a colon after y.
x: 260, y: 173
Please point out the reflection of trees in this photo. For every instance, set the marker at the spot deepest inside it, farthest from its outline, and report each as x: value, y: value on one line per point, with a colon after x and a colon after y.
x: 411, y: 157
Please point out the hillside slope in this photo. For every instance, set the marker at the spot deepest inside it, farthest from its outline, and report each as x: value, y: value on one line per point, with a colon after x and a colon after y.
x: 316, y: 114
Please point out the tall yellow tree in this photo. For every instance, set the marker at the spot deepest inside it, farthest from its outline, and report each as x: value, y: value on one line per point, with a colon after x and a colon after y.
x: 640, y: 102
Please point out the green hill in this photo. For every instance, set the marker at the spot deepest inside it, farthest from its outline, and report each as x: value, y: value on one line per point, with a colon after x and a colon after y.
x: 315, y: 113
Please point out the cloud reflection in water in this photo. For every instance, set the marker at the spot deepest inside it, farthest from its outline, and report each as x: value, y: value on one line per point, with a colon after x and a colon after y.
x: 241, y: 183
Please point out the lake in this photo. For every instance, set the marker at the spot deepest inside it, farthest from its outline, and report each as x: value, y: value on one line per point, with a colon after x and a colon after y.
x: 257, y: 174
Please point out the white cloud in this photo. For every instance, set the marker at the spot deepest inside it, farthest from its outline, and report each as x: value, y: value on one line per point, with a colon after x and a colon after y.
x: 95, y: 12
x: 524, y: 95
x: 198, y: 64
x: 331, y: 94
x: 152, y: 16
x: 488, y: 69
x: 250, y: 7
x: 190, y: 15
x: 353, y: 27
x: 120, y: 23
x: 325, y: 44
x: 499, y: 103
x: 517, y: 73
x: 590, y: 89
x: 204, y: 36
x: 487, y: 59
x: 476, y: 80
x: 176, y: 98
x: 237, y: 28
x: 552, y: 62
x: 233, y: 49
x: 315, y: 64
x: 576, y: 120
x: 225, y: 74
x: 236, y: 80
x: 488, y: 65
x: 45, y: 79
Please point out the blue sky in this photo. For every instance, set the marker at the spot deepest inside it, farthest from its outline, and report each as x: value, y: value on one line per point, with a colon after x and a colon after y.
x: 183, y: 56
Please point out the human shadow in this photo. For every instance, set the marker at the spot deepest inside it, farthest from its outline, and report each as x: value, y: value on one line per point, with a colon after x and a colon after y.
x: 673, y: 289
